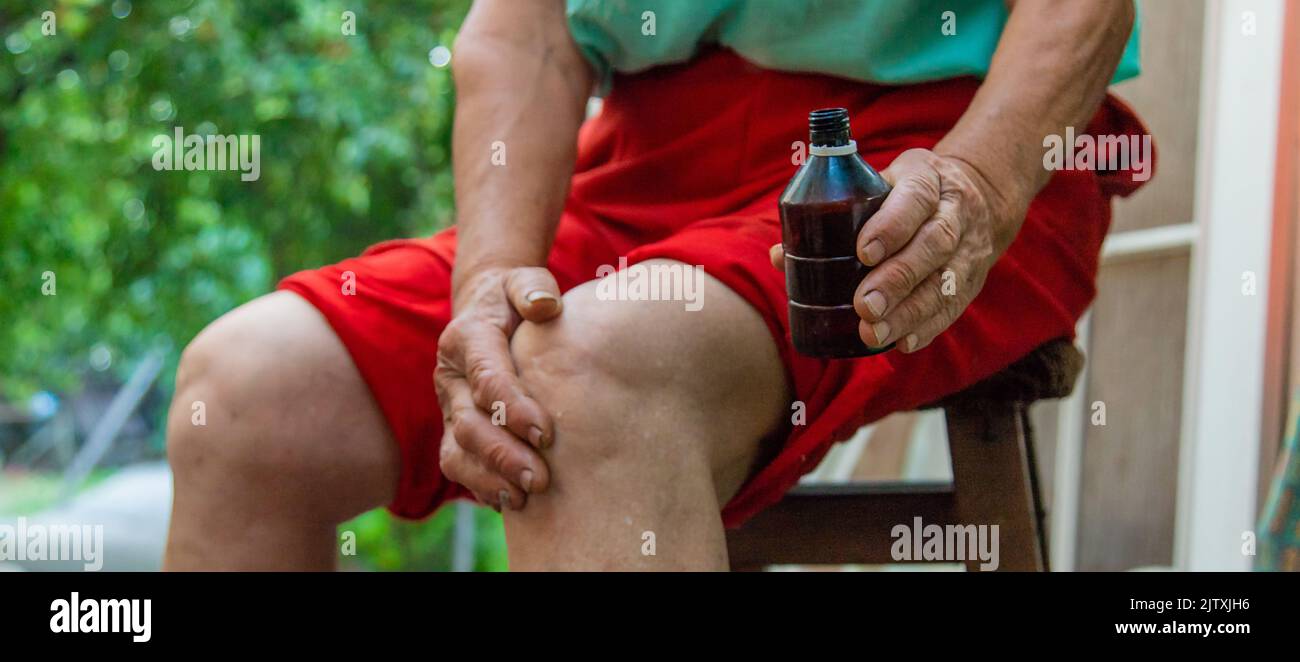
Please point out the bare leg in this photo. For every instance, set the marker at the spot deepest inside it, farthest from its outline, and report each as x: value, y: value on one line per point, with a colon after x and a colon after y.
x: 293, y: 443
x: 660, y: 413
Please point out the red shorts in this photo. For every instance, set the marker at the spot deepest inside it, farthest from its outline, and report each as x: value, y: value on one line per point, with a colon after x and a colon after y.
x: 686, y: 163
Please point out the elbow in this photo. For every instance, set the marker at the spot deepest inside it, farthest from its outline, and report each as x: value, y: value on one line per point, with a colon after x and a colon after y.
x: 1118, y: 15
x: 472, y: 61
x: 481, y: 60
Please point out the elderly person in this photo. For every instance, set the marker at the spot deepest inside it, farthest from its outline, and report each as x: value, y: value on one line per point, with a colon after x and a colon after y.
x: 617, y: 431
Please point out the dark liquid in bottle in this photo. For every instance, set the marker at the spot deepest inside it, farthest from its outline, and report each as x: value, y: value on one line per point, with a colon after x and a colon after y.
x: 824, y: 207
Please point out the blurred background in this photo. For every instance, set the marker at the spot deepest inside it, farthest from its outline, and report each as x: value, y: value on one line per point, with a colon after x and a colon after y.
x: 1195, y: 375
x: 143, y: 259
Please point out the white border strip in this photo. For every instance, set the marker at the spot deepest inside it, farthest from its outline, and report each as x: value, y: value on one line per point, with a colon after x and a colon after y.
x: 1224, y: 360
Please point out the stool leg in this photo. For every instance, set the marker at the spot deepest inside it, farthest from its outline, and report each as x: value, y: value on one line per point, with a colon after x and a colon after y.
x: 1035, y: 485
x: 993, y: 480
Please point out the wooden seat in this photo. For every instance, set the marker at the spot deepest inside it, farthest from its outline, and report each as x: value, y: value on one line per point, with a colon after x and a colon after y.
x: 994, y: 482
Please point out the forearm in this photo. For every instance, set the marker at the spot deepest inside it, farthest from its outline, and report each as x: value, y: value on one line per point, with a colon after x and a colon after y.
x: 522, y: 88
x: 1051, y: 70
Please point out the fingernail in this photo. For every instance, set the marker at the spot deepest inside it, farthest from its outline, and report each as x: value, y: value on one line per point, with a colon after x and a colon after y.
x: 538, y: 295
x: 875, y: 302
x: 526, y: 480
x: 875, y: 252
x: 504, y: 498
x: 912, y: 341
x: 535, y: 436
x: 881, y: 329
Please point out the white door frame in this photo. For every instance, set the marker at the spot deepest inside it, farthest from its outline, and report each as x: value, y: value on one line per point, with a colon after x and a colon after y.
x: 1224, y: 363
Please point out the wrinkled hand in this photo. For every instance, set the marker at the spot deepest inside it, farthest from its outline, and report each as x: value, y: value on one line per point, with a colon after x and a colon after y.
x: 931, y: 246
x: 476, y: 381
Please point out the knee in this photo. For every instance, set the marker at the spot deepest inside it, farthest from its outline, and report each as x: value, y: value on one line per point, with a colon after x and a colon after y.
x: 577, y: 347
x: 201, y: 433
x: 609, y: 346
x: 594, y: 349
x: 222, y: 415
x: 605, y: 375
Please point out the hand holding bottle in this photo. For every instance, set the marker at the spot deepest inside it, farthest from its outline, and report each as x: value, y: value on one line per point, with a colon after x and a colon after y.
x: 929, y: 248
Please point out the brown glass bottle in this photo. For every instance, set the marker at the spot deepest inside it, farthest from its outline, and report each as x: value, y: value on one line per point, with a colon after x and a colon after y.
x: 823, y: 208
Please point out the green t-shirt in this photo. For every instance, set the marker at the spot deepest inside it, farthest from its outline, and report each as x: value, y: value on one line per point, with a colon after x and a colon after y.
x: 878, y: 41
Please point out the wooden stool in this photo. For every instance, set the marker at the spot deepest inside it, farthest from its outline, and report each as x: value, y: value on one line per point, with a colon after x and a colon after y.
x: 994, y: 482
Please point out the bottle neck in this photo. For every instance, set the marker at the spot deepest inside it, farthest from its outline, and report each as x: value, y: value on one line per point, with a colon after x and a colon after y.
x: 828, y: 132
x: 837, y: 136
x: 851, y: 147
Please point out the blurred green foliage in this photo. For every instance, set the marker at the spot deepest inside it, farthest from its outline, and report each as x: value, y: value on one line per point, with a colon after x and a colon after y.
x: 28, y: 493
x: 355, y: 148
x: 387, y: 543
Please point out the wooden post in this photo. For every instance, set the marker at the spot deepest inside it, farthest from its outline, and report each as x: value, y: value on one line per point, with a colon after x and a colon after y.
x: 994, y: 481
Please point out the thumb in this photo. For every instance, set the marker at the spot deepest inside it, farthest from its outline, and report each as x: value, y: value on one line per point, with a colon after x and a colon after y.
x: 776, y: 254
x: 534, y: 293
